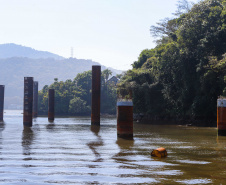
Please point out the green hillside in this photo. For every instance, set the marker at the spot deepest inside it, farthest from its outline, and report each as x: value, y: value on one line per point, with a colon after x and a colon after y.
x: 44, y: 70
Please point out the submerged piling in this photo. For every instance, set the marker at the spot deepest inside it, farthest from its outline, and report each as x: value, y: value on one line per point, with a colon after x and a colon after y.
x: 2, y: 90
x: 221, y: 116
x: 28, y: 101
x: 96, y: 81
x: 51, y: 105
x: 125, y: 119
x: 35, y: 99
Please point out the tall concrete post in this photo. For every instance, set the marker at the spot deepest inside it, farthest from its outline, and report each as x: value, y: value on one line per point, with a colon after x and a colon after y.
x: 2, y: 90
x: 221, y: 116
x: 96, y: 84
x: 35, y: 99
x: 51, y: 105
x: 28, y: 101
x: 125, y: 120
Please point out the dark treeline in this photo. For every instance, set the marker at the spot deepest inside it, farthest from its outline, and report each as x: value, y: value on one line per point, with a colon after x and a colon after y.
x: 182, y: 77
x: 74, y: 97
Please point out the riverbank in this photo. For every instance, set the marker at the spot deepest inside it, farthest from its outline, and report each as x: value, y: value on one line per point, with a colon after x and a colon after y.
x: 154, y: 120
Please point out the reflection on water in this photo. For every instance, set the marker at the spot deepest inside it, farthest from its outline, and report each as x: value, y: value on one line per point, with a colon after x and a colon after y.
x: 2, y: 126
x: 50, y: 127
x: 125, y: 152
x: 27, y: 139
x: 93, y: 145
x: 70, y: 151
x: 51, y: 121
x: 125, y: 147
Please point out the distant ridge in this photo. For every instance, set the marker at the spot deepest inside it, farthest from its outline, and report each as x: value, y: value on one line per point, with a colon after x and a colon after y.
x: 13, y: 50
x: 17, y: 62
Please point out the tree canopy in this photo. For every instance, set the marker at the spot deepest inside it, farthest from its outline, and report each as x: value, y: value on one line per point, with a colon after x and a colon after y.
x: 184, y: 74
x: 73, y: 97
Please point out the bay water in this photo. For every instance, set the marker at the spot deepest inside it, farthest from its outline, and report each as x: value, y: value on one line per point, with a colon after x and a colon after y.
x: 71, y: 151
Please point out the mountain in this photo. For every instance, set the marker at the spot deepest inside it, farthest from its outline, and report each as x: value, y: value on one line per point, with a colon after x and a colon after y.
x: 44, y: 70
x: 14, y: 50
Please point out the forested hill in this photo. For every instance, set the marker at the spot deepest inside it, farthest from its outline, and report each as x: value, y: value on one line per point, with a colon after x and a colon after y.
x: 44, y: 70
x: 182, y: 77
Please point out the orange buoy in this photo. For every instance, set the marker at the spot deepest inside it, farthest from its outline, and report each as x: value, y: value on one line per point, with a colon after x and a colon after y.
x: 159, y: 152
x: 221, y: 116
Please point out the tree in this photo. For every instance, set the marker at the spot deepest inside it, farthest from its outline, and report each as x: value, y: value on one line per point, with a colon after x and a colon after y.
x: 106, y: 73
x: 180, y: 67
x: 78, y: 107
x: 183, y: 6
x: 144, y: 55
x: 74, y: 97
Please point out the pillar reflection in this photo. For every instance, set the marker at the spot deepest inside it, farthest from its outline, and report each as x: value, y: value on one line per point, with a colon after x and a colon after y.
x: 2, y: 127
x: 93, y: 145
x: 125, y: 149
x: 51, y: 126
x: 27, y: 140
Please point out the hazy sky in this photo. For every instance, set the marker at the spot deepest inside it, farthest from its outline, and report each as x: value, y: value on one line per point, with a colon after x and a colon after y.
x: 111, y: 32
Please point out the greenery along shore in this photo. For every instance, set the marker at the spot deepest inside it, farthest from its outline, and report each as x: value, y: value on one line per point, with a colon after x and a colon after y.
x: 73, y: 97
x: 182, y: 77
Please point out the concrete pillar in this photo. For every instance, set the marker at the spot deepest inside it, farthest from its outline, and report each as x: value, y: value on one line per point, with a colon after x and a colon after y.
x: 2, y: 90
x: 221, y: 116
x: 125, y: 119
x: 51, y: 105
x: 28, y: 101
x: 96, y: 84
x: 35, y: 99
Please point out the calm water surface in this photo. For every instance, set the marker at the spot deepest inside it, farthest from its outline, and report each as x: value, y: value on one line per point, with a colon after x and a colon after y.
x: 70, y: 151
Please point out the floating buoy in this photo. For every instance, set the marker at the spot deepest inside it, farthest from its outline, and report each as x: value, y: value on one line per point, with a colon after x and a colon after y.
x: 159, y: 152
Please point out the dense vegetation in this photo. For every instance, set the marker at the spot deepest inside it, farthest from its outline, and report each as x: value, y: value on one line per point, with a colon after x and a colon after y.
x: 182, y: 77
x: 74, y: 97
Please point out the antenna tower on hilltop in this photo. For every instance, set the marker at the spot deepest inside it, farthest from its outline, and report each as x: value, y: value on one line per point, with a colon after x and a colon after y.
x: 72, y: 52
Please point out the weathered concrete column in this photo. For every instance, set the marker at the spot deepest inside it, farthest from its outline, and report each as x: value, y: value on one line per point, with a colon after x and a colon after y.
x: 2, y: 90
x: 28, y: 101
x: 51, y: 105
x: 221, y: 116
x: 125, y: 119
x: 96, y: 84
x: 35, y: 99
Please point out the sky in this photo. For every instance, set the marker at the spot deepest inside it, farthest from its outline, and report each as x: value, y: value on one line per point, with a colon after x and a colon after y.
x: 111, y: 32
